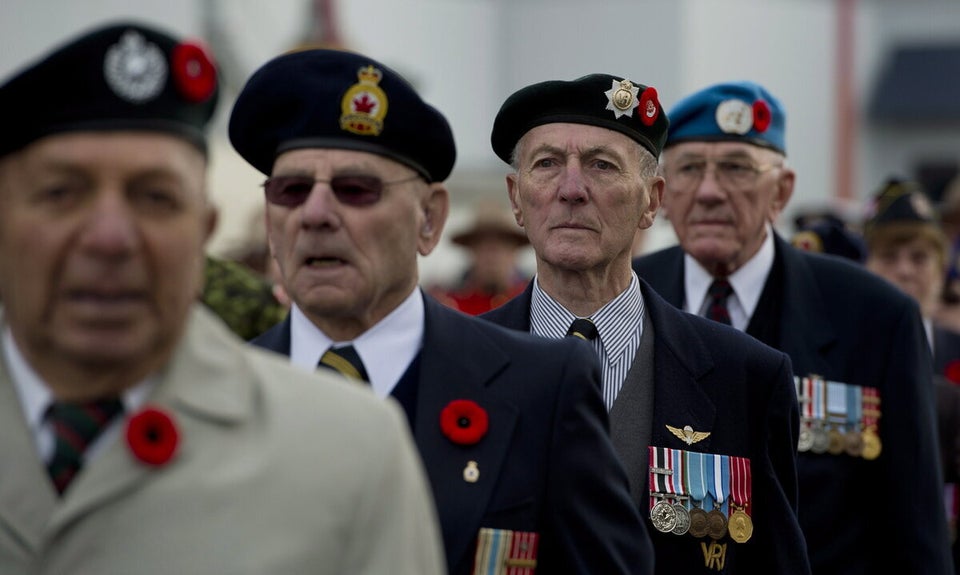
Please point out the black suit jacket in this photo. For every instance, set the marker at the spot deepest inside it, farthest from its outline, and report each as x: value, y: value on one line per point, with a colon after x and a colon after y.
x: 546, y: 464
x: 845, y: 324
x: 716, y: 379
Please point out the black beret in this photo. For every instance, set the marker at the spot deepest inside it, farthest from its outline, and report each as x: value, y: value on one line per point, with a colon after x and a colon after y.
x: 338, y: 99
x: 830, y: 236
x: 899, y: 201
x: 118, y: 77
x: 596, y: 100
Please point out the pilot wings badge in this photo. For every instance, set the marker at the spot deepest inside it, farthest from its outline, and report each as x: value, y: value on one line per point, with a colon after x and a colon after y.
x: 688, y: 435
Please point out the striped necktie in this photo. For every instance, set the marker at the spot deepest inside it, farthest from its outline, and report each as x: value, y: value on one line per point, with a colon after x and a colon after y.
x: 344, y: 360
x: 583, y: 328
x: 75, y: 427
x: 718, y: 293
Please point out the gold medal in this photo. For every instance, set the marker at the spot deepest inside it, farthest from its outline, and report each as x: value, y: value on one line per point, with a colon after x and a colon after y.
x: 740, y: 527
x: 871, y: 444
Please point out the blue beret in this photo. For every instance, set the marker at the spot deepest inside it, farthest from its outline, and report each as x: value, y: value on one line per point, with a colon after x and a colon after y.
x: 337, y: 99
x: 595, y: 100
x: 124, y: 76
x: 899, y: 201
x: 735, y: 111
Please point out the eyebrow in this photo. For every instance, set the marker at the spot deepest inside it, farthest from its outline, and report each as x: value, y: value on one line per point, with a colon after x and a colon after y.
x: 590, y: 152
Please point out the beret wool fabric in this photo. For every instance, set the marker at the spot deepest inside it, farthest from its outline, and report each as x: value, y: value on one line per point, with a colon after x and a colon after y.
x: 337, y: 99
x: 597, y: 100
x: 123, y: 76
x: 733, y: 111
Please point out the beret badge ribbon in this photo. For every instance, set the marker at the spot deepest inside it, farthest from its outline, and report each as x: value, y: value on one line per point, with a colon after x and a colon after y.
x: 364, y: 104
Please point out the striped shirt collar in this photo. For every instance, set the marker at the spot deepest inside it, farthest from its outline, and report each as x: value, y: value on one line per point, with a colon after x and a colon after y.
x: 618, y: 321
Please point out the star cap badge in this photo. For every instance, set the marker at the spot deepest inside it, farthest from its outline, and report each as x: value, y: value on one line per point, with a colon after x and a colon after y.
x: 688, y: 435
x: 622, y: 98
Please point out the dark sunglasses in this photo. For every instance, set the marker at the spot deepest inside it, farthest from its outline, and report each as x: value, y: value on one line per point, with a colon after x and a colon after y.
x: 291, y: 191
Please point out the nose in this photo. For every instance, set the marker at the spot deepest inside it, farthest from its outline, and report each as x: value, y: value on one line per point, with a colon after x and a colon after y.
x: 709, y: 189
x: 111, y: 227
x: 321, y: 208
x: 573, y: 186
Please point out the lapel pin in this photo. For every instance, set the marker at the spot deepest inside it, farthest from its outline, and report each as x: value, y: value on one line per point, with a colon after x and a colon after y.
x: 471, y: 473
x: 688, y: 435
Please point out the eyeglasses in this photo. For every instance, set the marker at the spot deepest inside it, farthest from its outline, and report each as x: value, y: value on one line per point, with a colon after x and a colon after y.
x: 291, y: 191
x: 730, y: 173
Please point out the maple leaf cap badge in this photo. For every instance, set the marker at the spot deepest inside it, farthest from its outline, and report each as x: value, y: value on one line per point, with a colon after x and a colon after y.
x: 364, y: 104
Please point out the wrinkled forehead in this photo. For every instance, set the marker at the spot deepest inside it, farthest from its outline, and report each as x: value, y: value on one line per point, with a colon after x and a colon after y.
x: 576, y: 138
x: 322, y: 162
x: 121, y: 150
x: 721, y: 149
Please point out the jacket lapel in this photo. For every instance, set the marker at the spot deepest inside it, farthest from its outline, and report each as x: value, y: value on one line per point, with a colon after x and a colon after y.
x: 805, y: 316
x: 27, y: 498
x: 460, y: 361
x: 682, y: 361
x: 204, y: 385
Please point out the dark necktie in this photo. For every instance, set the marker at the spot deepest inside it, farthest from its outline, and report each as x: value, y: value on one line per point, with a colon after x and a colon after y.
x: 344, y: 360
x: 75, y: 427
x: 583, y: 328
x: 717, y: 310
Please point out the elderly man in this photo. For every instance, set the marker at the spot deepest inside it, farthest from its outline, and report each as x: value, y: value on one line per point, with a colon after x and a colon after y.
x: 511, y: 427
x: 856, y: 343
x: 137, y: 433
x: 704, y: 418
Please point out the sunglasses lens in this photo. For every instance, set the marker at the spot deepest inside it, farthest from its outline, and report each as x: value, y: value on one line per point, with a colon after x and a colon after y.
x: 290, y: 191
x: 357, y: 190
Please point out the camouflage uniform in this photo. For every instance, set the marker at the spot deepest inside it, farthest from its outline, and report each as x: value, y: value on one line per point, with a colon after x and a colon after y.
x: 242, y: 299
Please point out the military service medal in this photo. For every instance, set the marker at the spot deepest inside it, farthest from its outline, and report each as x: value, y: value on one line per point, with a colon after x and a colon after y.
x: 662, y: 514
x: 740, y: 525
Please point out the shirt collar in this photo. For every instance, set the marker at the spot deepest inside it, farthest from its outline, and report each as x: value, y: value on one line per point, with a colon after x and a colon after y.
x: 36, y: 397
x: 386, y: 349
x: 747, y: 281
x: 616, y: 321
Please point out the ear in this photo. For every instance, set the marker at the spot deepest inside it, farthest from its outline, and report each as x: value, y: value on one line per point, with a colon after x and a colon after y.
x: 783, y: 192
x: 212, y: 218
x: 513, y: 192
x: 436, y: 208
x: 655, y: 197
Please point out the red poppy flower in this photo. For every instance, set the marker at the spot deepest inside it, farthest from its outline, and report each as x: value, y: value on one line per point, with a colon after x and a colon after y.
x: 761, y: 116
x: 464, y: 422
x: 152, y: 436
x: 193, y: 71
x: 649, y: 106
x: 952, y: 371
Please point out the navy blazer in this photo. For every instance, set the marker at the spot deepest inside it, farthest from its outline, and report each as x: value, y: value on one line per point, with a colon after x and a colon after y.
x: 845, y: 324
x: 546, y: 465
x: 717, y: 379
